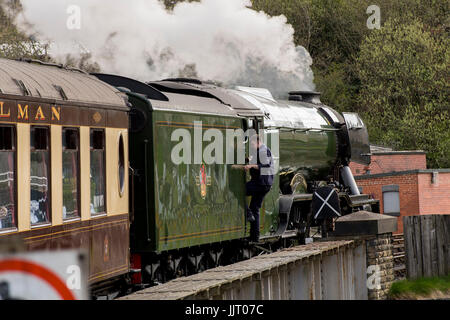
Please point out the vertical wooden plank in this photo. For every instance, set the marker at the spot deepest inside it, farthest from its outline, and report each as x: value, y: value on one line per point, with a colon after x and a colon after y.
x: 433, y: 245
x: 446, y: 242
x: 418, y: 246
x: 425, y: 229
x: 440, y: 244
x: 427, y: 245
x: 410, y: 260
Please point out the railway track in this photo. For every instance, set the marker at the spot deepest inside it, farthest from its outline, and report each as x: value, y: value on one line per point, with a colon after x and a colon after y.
x: 398, y: 248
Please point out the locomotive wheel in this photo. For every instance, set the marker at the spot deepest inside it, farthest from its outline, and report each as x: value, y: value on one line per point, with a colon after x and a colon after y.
x: 158, y: 276
x: 185, y: 267
x: 202, y: 266
x: 300, y: 219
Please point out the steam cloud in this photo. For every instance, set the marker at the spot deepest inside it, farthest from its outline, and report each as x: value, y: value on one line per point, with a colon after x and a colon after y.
x: 219, y: 40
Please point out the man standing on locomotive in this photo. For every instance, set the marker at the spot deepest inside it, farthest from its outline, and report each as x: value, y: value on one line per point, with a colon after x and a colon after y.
x: 261, y: 172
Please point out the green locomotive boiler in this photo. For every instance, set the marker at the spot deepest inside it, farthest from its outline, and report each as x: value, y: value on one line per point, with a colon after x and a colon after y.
x: 187, y: 192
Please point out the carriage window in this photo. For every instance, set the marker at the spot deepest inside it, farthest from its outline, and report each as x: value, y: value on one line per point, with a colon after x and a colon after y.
x: 40, y: 175
x: 70, y: 167
x: 7, y: 172
x: 98, y: 182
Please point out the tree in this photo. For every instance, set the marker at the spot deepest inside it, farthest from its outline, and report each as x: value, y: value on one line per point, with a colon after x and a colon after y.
x: 403, y: 69
x: 13, y: 43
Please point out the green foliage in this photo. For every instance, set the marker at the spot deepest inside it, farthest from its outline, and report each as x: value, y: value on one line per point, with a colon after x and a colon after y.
x: 396, y: 77
x: 335, y: 88
x: 13, y: 43
x: 422, y: 286
x: 403, y: 69
x: 331, y: 31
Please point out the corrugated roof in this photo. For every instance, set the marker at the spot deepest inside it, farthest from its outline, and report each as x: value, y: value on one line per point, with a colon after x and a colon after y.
x: 52, y: 82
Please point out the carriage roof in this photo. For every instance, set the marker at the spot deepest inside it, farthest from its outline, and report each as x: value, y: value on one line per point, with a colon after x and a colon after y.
x: 36, y: 79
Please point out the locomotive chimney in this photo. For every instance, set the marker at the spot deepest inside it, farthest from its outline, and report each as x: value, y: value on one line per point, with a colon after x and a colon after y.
x: 305, y: 96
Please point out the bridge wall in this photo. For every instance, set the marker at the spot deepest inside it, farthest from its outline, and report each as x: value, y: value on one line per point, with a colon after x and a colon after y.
x: 316, y: 271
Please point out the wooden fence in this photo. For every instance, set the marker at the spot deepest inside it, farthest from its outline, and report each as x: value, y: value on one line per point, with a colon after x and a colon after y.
x: 427, y: 245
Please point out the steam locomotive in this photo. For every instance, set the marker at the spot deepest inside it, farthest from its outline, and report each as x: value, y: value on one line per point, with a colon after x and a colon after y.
x: 144, y: 176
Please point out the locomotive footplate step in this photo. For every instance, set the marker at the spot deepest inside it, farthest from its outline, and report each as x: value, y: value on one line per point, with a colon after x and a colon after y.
x: 289, y: 234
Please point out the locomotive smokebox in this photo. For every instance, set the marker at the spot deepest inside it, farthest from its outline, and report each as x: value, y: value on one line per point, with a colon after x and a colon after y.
x: 305, y: 96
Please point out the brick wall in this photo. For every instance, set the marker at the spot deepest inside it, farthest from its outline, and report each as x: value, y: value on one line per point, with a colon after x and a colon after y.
x: 434, y: 198
x: 391, y: 162
x: 418, y: 195
x: 379, y: 255
x: 408, y: 192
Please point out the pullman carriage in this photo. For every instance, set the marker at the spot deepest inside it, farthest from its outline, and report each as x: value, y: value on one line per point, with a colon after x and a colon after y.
x: 64, y: 164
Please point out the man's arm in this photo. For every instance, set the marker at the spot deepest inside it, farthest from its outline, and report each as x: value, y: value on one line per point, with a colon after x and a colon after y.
x: 251, y: 166
x: 266, y: 161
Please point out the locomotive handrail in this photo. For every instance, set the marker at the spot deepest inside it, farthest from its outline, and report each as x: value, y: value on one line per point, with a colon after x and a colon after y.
x: 146, y: 188
x: 304, y: 129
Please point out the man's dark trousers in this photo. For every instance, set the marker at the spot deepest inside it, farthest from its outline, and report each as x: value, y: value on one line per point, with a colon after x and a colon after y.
x: 257, y: 192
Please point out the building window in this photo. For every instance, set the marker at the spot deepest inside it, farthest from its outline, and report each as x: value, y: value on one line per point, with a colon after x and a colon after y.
x: 40, y: 175
x: 391, y: 200
x: 7, y: 181
x: 71, y: 171
x: 98, y: 174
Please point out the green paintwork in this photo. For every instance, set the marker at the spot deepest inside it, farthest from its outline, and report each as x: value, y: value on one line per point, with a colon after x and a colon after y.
x: 177, y: 215
x: 171, y: 212
x: 183, y: 216
x: 309, y: 153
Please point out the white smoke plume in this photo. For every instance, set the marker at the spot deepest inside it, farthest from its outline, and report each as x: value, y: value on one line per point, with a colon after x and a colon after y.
x: 219, y: 40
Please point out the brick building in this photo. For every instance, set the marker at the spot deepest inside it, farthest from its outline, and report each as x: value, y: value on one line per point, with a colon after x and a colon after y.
x: 403, y: 184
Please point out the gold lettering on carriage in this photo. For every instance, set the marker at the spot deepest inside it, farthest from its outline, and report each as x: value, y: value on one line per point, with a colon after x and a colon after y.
x: 2, y: 113
x: 23, y: 111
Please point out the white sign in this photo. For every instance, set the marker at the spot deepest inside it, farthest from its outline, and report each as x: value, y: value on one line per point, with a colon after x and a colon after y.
x: 44, y: 275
